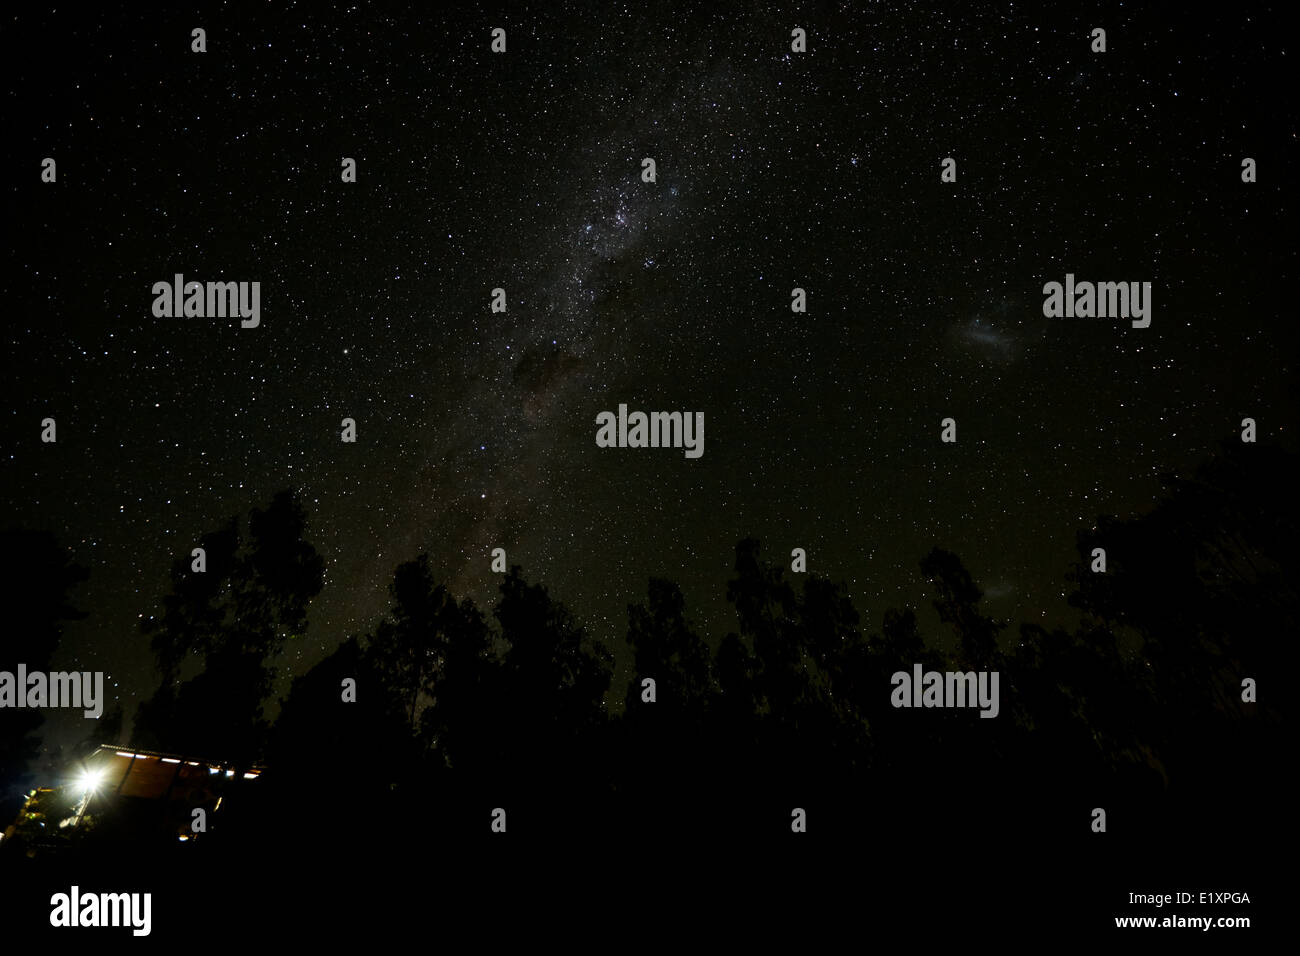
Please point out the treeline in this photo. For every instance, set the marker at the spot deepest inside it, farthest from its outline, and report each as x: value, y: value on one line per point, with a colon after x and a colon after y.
x: 460, y: 709
x: 510, y: 706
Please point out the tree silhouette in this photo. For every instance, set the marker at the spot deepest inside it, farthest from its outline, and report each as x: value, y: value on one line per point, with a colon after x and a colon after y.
x: 1200, y: 593
x: 233, y: 618
x: 1138, y: 705
x: 434, y: 649
x: 552, y: 717
x: 337, y: 766
x: 666, y: 648
x: 957, y: 601
x: 663, y: 747
x: 36, y: 579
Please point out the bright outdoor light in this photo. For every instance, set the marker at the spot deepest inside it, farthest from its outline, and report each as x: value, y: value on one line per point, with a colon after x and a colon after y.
x: 89, y: 780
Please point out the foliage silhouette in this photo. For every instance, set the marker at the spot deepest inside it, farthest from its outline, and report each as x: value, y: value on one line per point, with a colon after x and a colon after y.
x: 36, y: 579
x: 234, y: 617
x: 457, y: 711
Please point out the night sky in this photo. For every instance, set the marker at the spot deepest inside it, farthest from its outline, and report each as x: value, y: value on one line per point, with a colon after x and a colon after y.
x: 522, y: 170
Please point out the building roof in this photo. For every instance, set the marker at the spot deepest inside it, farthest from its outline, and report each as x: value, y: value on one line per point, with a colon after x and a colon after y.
x: 154, y: 774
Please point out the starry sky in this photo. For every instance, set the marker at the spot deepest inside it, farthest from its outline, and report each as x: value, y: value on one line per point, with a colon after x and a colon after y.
x: 522, y: 170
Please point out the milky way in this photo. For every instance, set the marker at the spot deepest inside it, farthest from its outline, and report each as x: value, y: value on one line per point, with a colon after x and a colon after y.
x: 522, y: 171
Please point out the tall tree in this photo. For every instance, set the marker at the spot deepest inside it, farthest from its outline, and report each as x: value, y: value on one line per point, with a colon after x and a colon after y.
x: 232, y: 619
x: 434, y: 650
x: 666, y: 648
x: 957, y: 600
x: 553, y: 707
